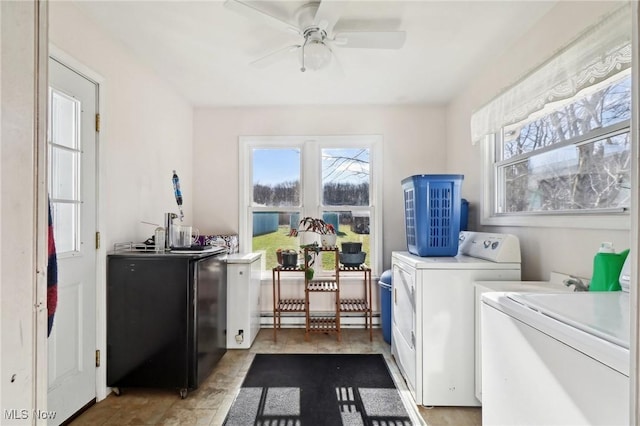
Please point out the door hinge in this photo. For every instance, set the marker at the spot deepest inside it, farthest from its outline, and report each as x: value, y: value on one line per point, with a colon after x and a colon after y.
x: 97, y: 240
x: 98, y: 123
x: 97, y: 357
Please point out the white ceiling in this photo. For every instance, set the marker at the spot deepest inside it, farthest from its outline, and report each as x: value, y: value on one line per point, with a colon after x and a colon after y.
x: 204, y: 49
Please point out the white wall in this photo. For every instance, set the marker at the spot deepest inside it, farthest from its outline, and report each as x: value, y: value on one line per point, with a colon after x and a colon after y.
x: 19, y: 209
x: 543, y: 249
x: 147, y: 129
x: 146, y: 132
x: 413, y: 143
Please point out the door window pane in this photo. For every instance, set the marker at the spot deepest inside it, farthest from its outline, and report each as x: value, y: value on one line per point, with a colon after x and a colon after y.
x: 65, y: 120
x: 276, y: 177
x: 345, y: 177
x: 64, y: 169
x: 65, y: 224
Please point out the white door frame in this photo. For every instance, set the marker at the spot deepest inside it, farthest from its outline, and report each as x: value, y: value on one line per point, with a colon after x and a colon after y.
x: 634, y: 406
x: 101, y: 335
x: 41, y: 381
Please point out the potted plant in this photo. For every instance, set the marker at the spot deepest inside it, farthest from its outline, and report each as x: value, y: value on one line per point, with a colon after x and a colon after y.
x: 288, y: 258
x: 327, y: 234
x: 312, y: 251
x: 326, y: 230
x: 329, y: 237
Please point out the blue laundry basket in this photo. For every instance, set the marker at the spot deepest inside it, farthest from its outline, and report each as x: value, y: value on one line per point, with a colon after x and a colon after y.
x: 432, y: 214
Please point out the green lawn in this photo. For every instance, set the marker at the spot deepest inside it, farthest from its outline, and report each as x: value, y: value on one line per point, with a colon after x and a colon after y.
x: 280, y: 239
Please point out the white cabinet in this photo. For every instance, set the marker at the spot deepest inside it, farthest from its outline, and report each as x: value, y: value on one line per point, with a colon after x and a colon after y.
x: 243, y: 299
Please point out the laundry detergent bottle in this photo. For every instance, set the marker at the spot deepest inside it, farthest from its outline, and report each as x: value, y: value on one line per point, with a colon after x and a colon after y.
x: 607, y: 265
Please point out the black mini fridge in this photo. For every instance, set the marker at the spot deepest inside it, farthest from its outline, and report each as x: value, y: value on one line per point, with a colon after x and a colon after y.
x: 166, y: 318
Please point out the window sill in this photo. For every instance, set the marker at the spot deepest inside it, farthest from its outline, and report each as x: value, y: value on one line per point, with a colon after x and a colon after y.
x: 592, y: 221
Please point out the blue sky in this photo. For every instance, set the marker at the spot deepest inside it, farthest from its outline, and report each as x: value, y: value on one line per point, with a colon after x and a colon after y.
x: 275, y: 165
x: 271, y: 166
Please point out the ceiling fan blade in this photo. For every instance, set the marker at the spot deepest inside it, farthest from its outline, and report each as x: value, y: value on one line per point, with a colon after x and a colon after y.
x: 275, y: 56
x: 371, y: 39
x: 328, y: 14
x: 336, y: 70
x: 254, y: 13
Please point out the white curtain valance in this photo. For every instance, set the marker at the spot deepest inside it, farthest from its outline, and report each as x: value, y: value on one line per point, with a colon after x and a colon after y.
x: 600, y: 52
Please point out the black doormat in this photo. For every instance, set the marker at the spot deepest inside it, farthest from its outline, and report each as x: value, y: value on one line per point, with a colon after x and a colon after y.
x: 316, y: 390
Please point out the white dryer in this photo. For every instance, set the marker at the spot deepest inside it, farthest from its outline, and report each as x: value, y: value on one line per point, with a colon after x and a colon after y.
x: 433, y: 315
x: 555, y: 358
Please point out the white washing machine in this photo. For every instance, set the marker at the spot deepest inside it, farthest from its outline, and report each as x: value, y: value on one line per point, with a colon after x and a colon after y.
x: 432, y: 314
x: 555, y: 358
x: 482, y: 287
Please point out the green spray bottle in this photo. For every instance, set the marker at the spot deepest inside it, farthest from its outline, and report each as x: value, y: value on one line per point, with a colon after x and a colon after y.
x: 607, y: 265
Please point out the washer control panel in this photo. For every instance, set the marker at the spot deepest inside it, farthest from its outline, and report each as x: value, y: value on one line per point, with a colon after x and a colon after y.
x: 501, y: 248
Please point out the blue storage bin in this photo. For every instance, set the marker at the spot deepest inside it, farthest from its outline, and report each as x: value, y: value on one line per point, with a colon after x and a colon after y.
x: 294, y: 221
x: 432, y: 207
x: 331, y: 218
x: 385, y: 304
x: 264, y: 223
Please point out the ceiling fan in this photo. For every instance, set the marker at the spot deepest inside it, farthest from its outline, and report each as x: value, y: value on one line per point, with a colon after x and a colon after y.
x: 315, y: 25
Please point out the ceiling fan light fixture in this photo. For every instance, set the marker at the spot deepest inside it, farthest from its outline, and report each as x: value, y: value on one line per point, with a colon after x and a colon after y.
x: 317, y: 55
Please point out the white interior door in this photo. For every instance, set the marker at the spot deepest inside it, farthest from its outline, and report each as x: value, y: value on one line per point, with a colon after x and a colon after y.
x: 72, y: 191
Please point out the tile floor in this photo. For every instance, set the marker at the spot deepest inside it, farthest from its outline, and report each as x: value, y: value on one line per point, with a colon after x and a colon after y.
x: 208, y: 405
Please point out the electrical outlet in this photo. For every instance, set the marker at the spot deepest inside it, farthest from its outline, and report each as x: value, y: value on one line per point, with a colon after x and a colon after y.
x: 240, y: 336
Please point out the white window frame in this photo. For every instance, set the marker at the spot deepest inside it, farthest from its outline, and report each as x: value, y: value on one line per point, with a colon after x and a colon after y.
x: 311, y: 200
x: 614, y: 219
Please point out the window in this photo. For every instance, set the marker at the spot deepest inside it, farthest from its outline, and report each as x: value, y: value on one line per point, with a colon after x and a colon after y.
x: 557, y: 150
x: 286, y: 178
x: 64, y: 170
x: 575, y: 157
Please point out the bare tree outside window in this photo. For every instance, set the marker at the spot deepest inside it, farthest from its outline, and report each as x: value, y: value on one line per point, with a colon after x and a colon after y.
x: 589, y: 168
x: 345, y: 177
